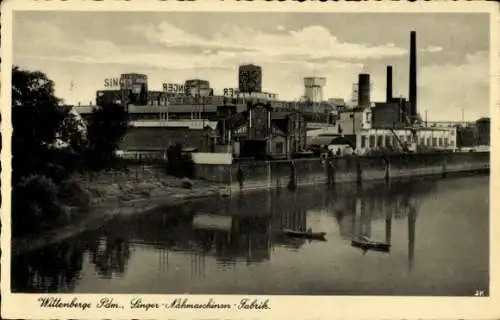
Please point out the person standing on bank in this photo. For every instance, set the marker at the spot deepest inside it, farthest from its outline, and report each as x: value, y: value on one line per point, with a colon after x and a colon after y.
x: 292, y: 185
x: 330, y: 167
x: 241, y: 177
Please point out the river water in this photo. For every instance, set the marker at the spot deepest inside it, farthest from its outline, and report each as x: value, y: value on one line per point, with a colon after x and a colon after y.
x: 438, y: 230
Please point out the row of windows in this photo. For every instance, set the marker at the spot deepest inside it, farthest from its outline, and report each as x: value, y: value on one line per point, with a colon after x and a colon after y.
x: 373, y: 141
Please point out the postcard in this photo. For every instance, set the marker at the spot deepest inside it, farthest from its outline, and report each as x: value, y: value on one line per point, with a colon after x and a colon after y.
x: 249, y: 159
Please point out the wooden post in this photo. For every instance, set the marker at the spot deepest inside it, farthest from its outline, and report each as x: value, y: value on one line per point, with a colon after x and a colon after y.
x: 269, y: 175
x: 334, y: 170
x: 387, y: 176
x: 292, y: 184
x: 359, y: 171
x: 443, y: 168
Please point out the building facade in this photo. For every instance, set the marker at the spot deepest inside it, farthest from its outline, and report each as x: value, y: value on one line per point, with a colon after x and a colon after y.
x: 250, y: 78
x: 483, y: 131
x: 137, y: 85
x: 358, y: 125
x: 313, y: 88
x: 261, y: 133
x: 197, y: 87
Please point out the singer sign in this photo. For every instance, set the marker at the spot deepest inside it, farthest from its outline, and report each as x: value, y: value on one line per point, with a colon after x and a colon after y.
x: 174, y: 88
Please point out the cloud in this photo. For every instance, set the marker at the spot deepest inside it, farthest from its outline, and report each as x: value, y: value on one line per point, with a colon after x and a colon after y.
x: 432, y: 49
x: 311, y: 42
x: 285, y: 55
x: 449, y: 88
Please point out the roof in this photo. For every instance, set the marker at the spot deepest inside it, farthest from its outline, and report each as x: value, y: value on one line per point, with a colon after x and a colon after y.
x: 323, y: 140
x: 191, y: 124
x: 484, y: 119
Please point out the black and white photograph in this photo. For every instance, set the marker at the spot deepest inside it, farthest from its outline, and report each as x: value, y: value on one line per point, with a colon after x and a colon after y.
x: 260, y: 154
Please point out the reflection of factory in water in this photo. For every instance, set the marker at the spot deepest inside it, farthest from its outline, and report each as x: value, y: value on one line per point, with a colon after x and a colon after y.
x: 356, y: 215
x: 249, y: 231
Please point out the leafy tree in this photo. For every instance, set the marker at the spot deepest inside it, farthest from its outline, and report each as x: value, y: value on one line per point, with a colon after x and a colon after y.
x: 44, y: 139
x: 34, y: 203
x: 106, y: 127
x: 49, y: 143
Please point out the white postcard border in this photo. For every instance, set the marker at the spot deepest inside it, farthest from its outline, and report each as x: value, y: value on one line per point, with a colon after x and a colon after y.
x: 285, y: 307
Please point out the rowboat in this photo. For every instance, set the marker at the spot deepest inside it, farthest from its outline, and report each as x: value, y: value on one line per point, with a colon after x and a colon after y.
x: 305, y: 234
x: 371, y: 245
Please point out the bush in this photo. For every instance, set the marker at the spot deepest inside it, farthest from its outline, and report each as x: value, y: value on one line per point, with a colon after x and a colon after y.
x: 71, y: 193
x: 34, y: 204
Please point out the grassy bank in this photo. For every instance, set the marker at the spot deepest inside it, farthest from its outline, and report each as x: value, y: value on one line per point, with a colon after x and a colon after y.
x: 108, y: 200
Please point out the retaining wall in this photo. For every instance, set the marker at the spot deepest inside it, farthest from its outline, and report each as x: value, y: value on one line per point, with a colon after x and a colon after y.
x: 279, y: 174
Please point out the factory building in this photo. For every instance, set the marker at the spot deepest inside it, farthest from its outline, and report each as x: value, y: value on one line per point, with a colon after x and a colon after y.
x: 106, y: 97
x: 364, y: 88
x: 393, y: 124
x: 483, y: 131
x: 261, y: 133
x: 365, y: 134
x: 197, y: 87
x: 250, y: 78
x: 137, y: 84
x: 313, y: 89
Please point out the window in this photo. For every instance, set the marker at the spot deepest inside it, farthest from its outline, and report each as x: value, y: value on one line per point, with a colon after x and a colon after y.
x: 279, y: 147
x: 428, y: 141
x: 387, y: 141
x: 380, y: 141
x: 372, y: 141
x: 440, y: 142
x: 434, y: 142
x: 363, y: 142
x: 446, y: 142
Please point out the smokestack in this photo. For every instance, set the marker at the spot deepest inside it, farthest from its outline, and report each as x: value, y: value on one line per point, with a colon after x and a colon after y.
x: 413, y: 75
x: 388, y: 89
x: 364, y: 90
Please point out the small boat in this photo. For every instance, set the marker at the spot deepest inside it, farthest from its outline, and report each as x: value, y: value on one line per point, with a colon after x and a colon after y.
x: 371, y: 245
x: 305, y: 234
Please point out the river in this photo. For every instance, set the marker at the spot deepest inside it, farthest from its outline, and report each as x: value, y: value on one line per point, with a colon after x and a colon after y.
x: 438, y: 230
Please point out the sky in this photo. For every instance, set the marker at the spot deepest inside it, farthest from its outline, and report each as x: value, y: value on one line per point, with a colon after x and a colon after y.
x: 78, y: 50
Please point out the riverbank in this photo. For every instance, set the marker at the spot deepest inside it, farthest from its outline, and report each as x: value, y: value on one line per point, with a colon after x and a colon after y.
x: 146, y: 188
x: 113, y: 199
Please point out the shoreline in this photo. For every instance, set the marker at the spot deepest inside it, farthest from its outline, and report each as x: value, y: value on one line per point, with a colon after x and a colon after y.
x: 99, y: 216
x: 104, y: 213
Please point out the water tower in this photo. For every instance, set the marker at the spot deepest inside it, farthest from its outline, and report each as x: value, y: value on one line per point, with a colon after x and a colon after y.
x: 313, y: 88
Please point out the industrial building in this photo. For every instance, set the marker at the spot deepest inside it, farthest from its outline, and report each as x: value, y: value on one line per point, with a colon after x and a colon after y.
x: 261, y: 133
x: 197, y: 87
x: 236, y: 116
x: 313, y: 89
x: 137, y: 85
x: 393, y: 124
x: 483, y: 131
x: 250, y: 78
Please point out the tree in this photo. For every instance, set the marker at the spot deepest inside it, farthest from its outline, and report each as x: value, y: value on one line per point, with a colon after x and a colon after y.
x: 106, y: 127
x: 49, y: 143
x: 45, y: 138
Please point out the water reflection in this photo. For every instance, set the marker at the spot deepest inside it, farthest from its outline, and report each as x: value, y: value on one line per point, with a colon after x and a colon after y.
x: 253, y: 233
x: 53, y: 269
